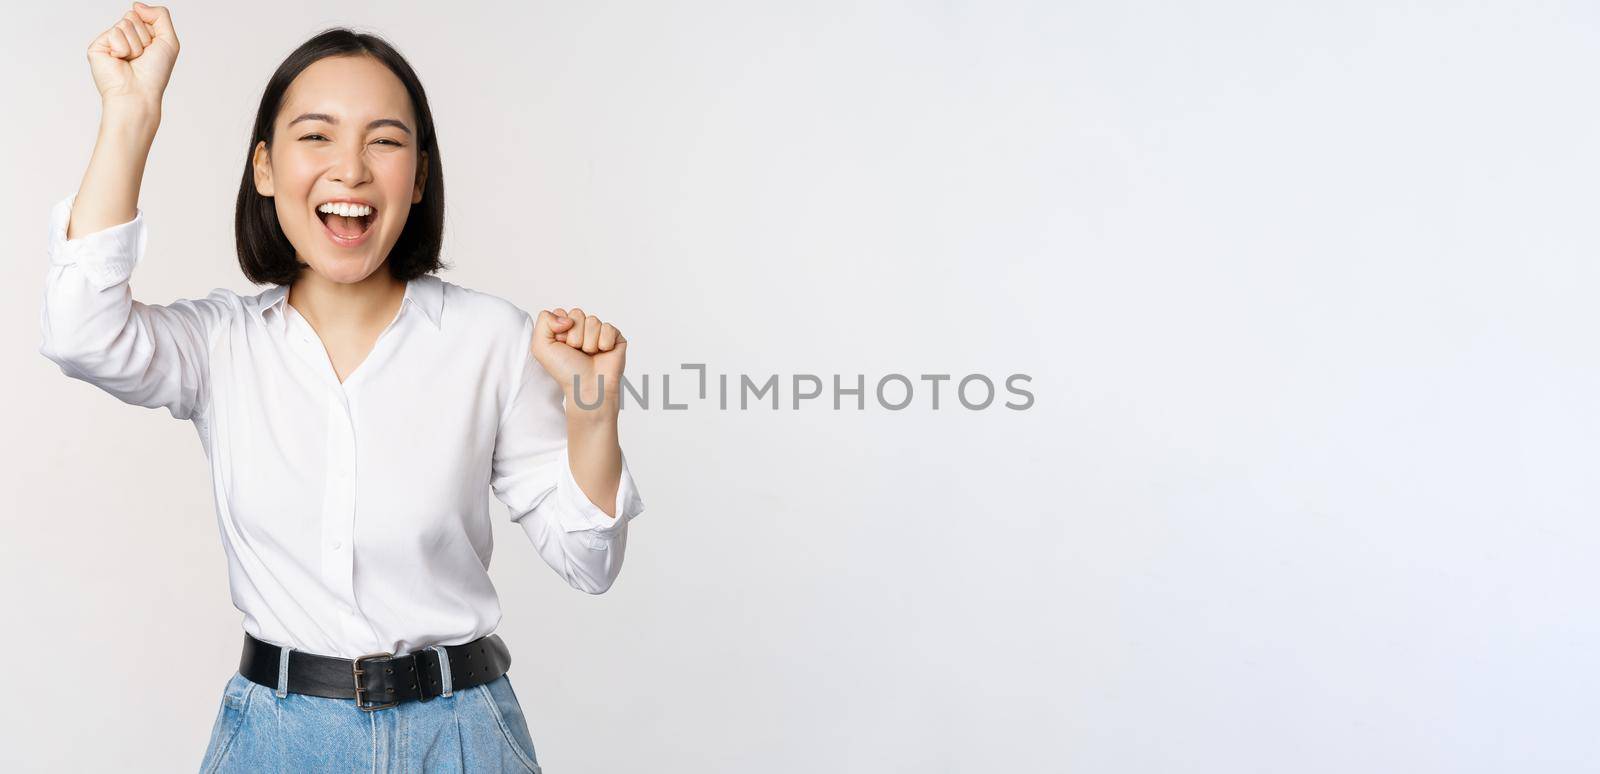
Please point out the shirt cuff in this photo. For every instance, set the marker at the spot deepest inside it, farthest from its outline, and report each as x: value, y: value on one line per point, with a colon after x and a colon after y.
x: 582, y: 514
x: 107, y: 256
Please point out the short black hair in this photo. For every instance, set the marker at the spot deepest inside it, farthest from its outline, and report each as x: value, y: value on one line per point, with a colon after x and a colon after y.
x: 265, y: 253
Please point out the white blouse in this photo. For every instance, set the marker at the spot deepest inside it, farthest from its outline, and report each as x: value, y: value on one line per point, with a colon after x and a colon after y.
x: 355, y: 516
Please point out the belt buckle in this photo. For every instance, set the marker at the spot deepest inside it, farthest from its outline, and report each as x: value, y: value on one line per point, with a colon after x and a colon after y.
x: 356, y: 672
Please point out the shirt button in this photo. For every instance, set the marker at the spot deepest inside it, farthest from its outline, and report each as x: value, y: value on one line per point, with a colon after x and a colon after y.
x: 337, y: 543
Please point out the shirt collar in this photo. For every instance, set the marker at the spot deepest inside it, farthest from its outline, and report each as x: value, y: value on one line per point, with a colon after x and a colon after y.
x: 425, y: 292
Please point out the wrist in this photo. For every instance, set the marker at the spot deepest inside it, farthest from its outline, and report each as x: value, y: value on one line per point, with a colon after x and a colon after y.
x: 598, y: 418
x: 124, y: 115
x: 592, y: 396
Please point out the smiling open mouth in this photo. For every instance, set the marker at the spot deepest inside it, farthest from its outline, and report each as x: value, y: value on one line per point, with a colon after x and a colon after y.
x: 346, y: 231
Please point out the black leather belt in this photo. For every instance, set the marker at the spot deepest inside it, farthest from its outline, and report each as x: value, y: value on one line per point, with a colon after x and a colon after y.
x: 378, y: 680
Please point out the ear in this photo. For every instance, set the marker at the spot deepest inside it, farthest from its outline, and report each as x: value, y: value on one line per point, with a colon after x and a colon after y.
x: 422, y: 178
x: 261, y: 161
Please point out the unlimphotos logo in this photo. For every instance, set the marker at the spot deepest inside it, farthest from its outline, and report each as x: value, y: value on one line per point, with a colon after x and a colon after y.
x: 895, y: 392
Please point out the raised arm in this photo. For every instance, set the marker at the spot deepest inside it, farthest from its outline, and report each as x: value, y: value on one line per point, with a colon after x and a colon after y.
x: 131, y: 63
x: 90, y: 325
x: 533, y: 474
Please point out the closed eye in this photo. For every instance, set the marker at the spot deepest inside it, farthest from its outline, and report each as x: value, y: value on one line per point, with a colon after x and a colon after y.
x: 320, y: 137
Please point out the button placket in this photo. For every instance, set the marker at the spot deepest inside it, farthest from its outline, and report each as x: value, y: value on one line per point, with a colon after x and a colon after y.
x: 338, y: 514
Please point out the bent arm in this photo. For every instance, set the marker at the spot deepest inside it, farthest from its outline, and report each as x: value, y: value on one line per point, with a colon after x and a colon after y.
x: 534, y: 475
x: 90, y: 325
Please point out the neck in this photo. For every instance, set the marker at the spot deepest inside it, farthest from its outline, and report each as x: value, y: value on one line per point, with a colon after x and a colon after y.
x: 325, y: 303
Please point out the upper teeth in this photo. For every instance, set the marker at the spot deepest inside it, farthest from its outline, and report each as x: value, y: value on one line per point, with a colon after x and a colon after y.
x: 346, y: 209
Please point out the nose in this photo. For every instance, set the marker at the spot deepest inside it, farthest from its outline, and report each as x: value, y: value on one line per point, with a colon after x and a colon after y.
x: 351, y: 166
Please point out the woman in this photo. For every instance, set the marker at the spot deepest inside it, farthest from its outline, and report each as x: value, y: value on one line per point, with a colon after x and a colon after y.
x: 352, y: 414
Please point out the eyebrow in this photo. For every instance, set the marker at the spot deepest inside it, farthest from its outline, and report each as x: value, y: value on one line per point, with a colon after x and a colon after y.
x: 372, y: 125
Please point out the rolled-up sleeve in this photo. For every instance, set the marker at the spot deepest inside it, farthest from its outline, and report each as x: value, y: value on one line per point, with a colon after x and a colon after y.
x: 91, y: 326
x: 532, y: 475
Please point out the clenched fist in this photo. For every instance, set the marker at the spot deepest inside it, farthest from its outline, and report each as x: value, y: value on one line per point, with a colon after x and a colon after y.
x: 580, y: 345
x: 132, y: 61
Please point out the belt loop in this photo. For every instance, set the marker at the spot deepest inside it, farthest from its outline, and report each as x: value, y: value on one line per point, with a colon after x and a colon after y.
x: 444, y: 668
x: 283, y: 670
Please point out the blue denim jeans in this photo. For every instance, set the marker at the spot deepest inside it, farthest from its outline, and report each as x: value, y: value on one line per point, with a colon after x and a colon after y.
x: 259, y: 729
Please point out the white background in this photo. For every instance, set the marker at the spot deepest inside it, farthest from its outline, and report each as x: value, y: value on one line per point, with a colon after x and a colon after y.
x: 1307, y: 292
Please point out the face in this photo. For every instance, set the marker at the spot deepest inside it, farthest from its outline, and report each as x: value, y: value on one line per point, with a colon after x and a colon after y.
x: 346, y: 131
